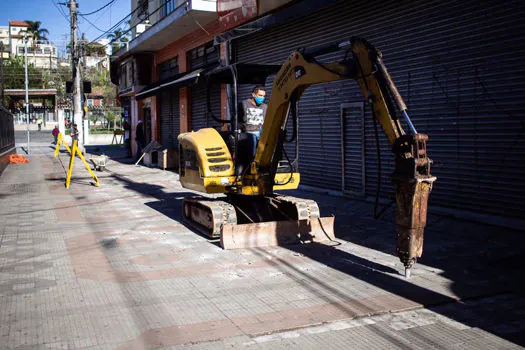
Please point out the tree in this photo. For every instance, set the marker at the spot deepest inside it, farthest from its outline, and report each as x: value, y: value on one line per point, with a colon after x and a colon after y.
x: 101, y: 79
x: 110, y: 118
x: 37, y: 34
x: 117, y: 39
x: 95, y: 49
x: 14, y: 74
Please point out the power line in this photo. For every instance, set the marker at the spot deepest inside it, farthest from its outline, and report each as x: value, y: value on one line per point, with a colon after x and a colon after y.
x: 91, y: 13
x: 163, y: 2
x: 61, y: 11
x: 99, y: 16
x: 92, y: 24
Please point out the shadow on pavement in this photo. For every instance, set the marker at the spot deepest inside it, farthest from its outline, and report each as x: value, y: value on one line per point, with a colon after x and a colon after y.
x: 481, y: 261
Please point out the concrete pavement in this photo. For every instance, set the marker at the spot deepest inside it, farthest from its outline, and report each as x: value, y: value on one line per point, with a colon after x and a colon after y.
x: 115, y: 267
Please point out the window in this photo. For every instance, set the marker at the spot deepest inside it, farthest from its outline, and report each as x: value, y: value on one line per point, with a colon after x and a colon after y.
x: 169, y: 68
x: 20, y: 50
x: 170, y: 6
x: 47, y: 50
x: 203, y: 55
x: 90, y: 102
x: 127, y: 75
x: 142, y: 10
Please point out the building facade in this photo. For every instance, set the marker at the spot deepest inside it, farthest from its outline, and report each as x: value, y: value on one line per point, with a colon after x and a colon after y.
x: 38, y: 54
x: 462, y: 87
x: 4, y: 39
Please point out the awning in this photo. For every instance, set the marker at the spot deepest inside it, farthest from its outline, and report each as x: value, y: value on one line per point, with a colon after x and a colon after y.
x: 179, y: 80
x: 246, y: 74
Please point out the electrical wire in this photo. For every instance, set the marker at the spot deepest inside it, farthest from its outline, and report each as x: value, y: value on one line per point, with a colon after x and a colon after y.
x: 163, y: 3
x: 93, y: 25
x: 61, y: 11
x: 100, y: 9
x: 98, y: 18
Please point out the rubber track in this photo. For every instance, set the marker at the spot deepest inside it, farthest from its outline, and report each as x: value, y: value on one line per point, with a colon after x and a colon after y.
x: 222, y: 213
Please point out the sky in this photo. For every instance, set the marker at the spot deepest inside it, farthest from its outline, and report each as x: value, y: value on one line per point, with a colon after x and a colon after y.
x: 47, y: 12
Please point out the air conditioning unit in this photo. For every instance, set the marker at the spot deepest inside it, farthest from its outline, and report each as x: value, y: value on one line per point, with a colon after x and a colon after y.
x: 141, y: 28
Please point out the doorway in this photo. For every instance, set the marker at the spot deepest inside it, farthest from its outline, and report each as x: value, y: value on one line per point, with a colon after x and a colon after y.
x: 353, y: 148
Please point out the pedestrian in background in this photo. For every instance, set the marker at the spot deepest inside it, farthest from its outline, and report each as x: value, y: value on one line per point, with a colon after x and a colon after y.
x: 140, y: 137
x: 55, y: 133
x: 39, y: 122
x: 74, y: 134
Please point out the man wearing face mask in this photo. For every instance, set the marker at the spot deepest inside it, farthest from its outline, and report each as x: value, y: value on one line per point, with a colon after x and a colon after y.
x: 251, y: 114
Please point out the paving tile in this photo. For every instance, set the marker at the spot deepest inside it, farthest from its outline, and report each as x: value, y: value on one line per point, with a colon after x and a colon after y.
x: 113, y: 267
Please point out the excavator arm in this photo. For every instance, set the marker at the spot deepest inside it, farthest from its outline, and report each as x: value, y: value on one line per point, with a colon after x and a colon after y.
x: 411, y: 178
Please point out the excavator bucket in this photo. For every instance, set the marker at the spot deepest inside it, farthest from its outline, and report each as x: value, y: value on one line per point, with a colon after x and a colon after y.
x: 277, y: 233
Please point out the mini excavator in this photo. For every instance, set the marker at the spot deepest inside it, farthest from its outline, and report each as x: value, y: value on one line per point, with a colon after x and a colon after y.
x: 250, y: 213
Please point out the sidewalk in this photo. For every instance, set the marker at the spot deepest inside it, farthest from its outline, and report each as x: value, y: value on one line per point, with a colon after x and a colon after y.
x: 114, y: 267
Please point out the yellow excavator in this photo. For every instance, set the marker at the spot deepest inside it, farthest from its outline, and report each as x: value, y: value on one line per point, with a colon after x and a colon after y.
x: 250, y: 213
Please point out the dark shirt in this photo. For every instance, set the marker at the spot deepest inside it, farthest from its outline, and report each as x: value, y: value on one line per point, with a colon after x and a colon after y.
x: 74, y: 134
x: 251, y: 117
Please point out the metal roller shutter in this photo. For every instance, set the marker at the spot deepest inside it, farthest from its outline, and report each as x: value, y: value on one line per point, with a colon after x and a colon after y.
x: 169, y: 118
x: 456, y: 69
x: 199, y: 108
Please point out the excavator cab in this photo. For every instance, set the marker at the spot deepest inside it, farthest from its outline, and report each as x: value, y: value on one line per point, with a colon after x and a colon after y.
x: 237, y: 160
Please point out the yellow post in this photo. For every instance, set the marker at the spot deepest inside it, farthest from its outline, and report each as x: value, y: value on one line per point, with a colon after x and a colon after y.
x: 71, y: 162
x: 60, y: 140
x: 88, y: 167
x: 74, y: 153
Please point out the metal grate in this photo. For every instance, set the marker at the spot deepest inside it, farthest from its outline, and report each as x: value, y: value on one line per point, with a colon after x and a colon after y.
x: 461, y: 88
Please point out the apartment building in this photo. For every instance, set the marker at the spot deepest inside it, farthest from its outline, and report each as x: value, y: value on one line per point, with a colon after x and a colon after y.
x: 4, y: 39
x: 38, y: 54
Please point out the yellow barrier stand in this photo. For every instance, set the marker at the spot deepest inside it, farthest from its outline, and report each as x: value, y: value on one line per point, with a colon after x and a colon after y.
x: 77, y: 152
x: 60, y: 140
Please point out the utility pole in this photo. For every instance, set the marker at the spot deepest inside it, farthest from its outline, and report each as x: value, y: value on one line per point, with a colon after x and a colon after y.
x: 75, y: 60
x: 27, y: 89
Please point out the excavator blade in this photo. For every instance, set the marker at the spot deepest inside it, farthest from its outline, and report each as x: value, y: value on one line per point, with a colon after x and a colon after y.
x: 277, y: 233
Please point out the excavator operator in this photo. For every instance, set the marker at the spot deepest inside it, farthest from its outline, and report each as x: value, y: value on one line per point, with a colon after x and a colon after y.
x: 251, y: 115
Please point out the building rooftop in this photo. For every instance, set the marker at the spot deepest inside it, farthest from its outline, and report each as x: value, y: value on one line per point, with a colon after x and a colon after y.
x: 18, y: 23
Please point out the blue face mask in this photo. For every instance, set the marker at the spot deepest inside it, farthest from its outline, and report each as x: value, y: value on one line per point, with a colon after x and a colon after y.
x: 259, y: 100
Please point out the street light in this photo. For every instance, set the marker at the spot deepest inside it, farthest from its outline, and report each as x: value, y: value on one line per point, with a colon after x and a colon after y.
x: 27, y: 89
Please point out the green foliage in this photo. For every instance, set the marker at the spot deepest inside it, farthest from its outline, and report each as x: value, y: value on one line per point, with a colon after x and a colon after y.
x: 95, y: 49
x: 14, y: 73
x: 118, y: 38
x: 94, y: 118
x: 38, y: 34
x: 100, y: 79
x: 94, y: 131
